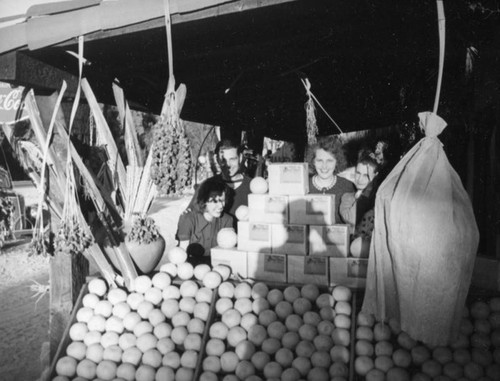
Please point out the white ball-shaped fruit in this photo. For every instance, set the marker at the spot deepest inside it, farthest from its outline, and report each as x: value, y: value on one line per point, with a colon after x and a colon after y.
x: 177, y: 255
x: 66, y: 366
x: 185, y: 271
x: 117, y: 295
x: 98, y: 286
x: 161, y: 280
x: 227, y: 238
x: 142, y: 283
x: 223, y: 270
x: 169, y: 268
x: 259, y: 185
x: 212, y: 280
x: 241, y: 213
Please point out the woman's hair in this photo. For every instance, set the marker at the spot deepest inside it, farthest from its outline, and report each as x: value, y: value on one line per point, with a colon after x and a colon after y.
x: 367, y: 156
x: 209, y: 188
x: 332, y: 145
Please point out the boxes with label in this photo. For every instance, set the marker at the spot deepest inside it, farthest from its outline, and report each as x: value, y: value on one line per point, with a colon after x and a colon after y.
x: 350, y: 272
x: 288, y: 178
x: 312, y: 209
x: 254, y: 236
x: 289, y: 239
x: 235, y: 259
x: 269, y: 209
x: 267, y: 267
x: 331, y: 241
x: 308, y: 269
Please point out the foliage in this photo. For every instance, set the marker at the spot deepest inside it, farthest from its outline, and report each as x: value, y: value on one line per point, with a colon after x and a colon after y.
x: 42, y: 244
x: 171, y: 169
x: 6, y: 211
x: 143, y: 230
x: 72, y: 238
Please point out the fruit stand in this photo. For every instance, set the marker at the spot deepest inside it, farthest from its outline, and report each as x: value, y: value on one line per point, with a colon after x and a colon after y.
x: 281, y: 300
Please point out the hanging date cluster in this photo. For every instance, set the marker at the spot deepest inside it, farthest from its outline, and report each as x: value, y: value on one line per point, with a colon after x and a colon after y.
x: 171, y: 169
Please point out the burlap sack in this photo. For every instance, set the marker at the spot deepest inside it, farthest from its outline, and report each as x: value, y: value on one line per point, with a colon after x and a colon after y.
x: 424, y: 243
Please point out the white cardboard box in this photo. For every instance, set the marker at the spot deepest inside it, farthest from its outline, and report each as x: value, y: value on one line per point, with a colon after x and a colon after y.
x: 289, y: 239
x: 267, y: 267
x: 288, y: 178
x: 266, y: 208
x: 331, y: 241
x: 350, y: 272
x: 308, y: 270
x: 235, y: 259
x: 254, y: 236
x: 312, y: 209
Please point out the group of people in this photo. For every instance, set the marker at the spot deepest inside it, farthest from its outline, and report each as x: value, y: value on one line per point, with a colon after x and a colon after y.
x: 216, y: 200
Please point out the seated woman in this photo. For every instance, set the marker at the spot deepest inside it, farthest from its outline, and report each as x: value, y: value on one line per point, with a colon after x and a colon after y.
x: 197, y: 229
x: 356, y: 208
x: 327, y: 159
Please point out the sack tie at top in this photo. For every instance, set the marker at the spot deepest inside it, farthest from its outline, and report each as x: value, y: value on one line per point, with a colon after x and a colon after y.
x: 431, y: 124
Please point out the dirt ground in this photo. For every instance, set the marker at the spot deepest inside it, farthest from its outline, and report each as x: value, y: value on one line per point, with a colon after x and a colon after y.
x: 24, y: 321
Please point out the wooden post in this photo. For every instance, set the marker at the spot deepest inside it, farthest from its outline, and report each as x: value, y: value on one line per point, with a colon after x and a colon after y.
x: 67, y: 275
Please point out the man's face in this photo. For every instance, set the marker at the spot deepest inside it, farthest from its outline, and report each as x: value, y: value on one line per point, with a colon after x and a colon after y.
x: 229, y: 161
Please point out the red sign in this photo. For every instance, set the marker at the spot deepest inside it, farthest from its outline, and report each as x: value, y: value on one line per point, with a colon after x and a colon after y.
x: 11, y: 107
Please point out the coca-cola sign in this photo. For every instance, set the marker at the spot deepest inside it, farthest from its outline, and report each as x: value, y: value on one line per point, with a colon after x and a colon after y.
x: 11, y: 106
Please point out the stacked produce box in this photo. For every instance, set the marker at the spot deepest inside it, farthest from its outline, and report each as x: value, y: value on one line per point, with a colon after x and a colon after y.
x: 289, y: 235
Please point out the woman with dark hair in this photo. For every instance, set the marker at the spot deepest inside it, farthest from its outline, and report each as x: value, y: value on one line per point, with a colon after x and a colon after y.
x: 326, y: 159
x: 355, y: 206
x: 197, y: 229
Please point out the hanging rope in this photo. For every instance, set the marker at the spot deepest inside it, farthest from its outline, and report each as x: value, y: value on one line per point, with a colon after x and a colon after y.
x: 311, y: 126
x: 171, y: 168
x: 442, y: 35
x: 307, y: 86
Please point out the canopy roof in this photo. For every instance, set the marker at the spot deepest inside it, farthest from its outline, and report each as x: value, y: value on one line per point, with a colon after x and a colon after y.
x: 371, y: 63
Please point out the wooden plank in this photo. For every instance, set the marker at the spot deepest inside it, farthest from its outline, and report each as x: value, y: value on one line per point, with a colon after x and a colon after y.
x: 13, y: 37
x: 17, y: 67
x: 60, y: 6
x: 134, y: 153
x: 67, y: 275
x: 65, y: 340
x: 115, y: 162
x: 178, y: 18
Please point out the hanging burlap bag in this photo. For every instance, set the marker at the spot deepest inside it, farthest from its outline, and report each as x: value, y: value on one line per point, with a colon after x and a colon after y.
x: 424, y: 243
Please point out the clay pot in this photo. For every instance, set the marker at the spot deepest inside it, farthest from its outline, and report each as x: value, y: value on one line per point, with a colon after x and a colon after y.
x: 146, y: 256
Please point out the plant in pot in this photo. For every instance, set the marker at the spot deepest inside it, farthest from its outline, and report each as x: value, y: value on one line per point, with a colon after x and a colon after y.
x: 144, y: 243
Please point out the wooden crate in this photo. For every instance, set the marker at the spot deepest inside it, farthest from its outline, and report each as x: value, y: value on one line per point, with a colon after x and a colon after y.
x: 215, y: 317
x: 66, y: 340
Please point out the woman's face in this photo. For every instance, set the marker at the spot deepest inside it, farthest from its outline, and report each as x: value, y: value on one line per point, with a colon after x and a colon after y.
x: 324, y: 163
x: 364, y: 175
x: 215, y: 205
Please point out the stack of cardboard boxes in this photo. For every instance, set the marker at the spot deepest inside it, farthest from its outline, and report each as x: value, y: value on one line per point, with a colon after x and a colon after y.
x: 291, y: 236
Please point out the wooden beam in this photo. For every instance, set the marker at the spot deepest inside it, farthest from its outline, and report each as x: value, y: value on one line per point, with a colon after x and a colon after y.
x: 159, y: 22
x: 21, y: 69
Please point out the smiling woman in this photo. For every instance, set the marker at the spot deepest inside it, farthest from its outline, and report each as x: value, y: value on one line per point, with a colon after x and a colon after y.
x: 197, y: 229
x: 326, y: 159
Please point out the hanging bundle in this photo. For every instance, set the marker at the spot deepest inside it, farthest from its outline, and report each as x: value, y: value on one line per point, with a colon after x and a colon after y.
x: 172, y: 165
x: 73, y: 235
x: 42, y: 243
x: 311, y: 126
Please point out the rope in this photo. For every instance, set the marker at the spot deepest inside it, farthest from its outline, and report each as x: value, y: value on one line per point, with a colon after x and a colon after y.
x: 442, y: 33
x: 168, y: 24
x: 310, y: 93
